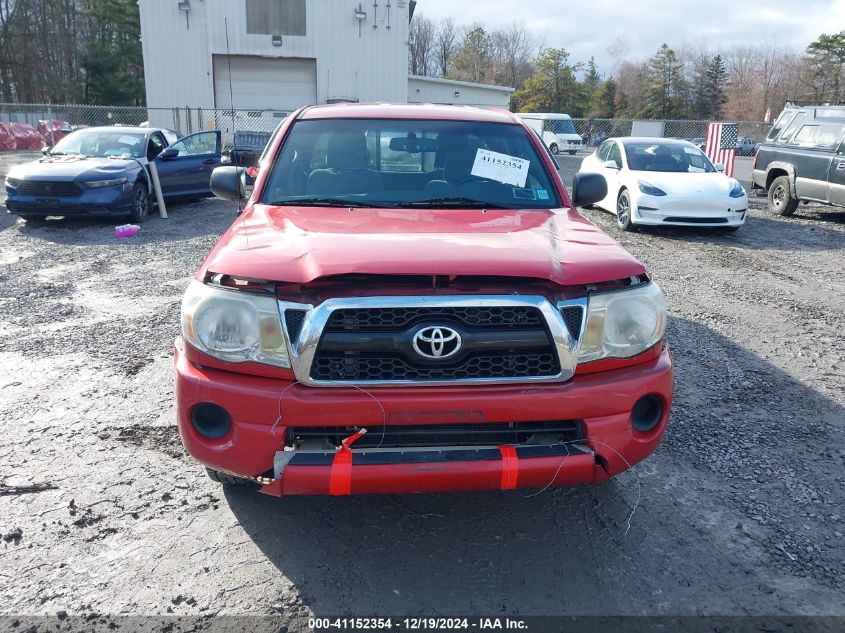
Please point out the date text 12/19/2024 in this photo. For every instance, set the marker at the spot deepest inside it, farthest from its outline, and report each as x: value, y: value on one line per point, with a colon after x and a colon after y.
x: 417, y: 624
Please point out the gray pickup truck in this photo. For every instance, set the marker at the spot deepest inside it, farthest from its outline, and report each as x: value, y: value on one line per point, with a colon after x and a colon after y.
x: 803, y: 158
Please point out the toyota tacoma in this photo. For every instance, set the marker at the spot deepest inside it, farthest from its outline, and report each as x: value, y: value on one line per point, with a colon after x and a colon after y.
x: 410, y: 302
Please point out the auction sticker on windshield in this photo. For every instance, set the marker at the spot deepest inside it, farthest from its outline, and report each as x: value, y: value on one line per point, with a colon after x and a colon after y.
x: 501, y: 167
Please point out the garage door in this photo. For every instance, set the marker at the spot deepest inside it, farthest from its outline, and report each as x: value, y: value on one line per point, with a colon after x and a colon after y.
x: 262, y: 83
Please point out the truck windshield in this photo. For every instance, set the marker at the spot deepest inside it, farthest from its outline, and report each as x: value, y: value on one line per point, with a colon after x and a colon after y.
x: 409, y: 163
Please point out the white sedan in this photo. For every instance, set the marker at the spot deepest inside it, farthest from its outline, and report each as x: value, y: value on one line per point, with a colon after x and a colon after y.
x: 660, y: 181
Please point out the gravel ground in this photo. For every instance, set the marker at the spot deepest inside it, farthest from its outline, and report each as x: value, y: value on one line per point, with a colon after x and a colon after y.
x: 739, y: 512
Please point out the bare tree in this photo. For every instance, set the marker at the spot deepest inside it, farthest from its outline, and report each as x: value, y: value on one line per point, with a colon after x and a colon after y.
x: 445, y: 43
x: 421, y: 45
x: 513, y: 48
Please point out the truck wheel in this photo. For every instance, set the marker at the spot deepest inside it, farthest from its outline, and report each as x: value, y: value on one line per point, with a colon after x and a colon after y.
x: 781, y: 201
x: 227, y: 479
x: 623, y: 211
x: 554, y: 149
x: 140, y: 203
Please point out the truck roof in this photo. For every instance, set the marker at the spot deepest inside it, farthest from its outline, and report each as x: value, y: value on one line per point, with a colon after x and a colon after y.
x: 543, y: 115
x: 407, y: 111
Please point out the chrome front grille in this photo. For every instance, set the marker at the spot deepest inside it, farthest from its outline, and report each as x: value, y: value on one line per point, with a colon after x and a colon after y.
x: 375, y: 340
x: 376, y: 344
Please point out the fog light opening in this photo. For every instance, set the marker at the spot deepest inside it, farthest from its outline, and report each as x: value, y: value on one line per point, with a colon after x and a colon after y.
x: 647, y: 413
x: 211, y: 420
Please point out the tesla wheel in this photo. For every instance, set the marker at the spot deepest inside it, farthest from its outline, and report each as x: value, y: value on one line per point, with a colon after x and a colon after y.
x: 140, y: 203
x: 623, y: 211
x: 227, y: 479
x: 554, y: 149
x: 781, y: 200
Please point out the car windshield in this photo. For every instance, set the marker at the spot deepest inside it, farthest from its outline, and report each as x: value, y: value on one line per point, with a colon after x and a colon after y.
x: 103, y: 143
x: 673, y: 157
x: 409, y: 163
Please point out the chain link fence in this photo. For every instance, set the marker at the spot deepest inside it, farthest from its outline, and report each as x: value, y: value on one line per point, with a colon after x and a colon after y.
x: 37, y: 125
x: 53, y: 122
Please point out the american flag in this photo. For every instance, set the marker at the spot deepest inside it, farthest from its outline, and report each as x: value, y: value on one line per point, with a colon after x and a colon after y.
x: 720, y: 146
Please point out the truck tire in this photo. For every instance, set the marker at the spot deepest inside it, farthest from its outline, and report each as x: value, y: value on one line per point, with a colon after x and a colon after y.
x: 227, y: 479
x: 781, y: 200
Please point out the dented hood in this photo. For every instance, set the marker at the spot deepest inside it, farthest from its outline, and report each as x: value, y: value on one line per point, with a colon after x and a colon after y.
x: 299, y: 245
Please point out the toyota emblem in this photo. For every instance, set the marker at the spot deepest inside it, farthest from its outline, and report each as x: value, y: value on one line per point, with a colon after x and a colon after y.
x: 437, y: 342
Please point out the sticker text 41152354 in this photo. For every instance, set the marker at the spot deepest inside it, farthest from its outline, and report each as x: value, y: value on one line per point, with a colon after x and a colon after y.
x: 503, y: 168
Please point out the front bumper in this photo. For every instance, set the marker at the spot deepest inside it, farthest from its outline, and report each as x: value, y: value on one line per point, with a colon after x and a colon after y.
x: 108, y: 201
x: 262, y: 409
x: 655, y: 211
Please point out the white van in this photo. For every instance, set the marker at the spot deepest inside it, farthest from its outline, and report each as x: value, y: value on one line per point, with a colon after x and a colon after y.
x: 556, y: 130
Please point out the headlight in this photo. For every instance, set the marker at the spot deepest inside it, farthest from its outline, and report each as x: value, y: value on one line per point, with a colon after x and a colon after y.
x: 737, y: 190
x: 234, y: 325
x: 98, y: 184
x: 14, y: 183
x: 651, y: 190
x: 623, y: 324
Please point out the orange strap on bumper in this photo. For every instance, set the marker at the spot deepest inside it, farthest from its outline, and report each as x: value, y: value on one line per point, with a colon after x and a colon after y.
x: 510, y: 466
x: 340, y: 477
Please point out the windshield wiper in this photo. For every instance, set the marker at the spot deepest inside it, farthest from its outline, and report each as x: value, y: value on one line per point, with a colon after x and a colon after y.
x: 454, y: 202
x: 324, y: 202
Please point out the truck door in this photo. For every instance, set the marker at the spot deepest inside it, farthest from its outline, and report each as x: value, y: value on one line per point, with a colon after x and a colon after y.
x: 836, y: 177
x: 813, y: 161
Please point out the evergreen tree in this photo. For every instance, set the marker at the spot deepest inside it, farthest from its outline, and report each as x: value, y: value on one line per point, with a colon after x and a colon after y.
x: 826, y: 67
x: 112, y: 58
x: 603, y: 103
x: 592, y: 80
x: 717, y: 76
x: 472, y: 61
x: 553, y: 87
x: 665, y: 86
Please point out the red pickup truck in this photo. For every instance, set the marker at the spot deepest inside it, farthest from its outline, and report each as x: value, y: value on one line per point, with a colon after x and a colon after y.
x: 410, y: 302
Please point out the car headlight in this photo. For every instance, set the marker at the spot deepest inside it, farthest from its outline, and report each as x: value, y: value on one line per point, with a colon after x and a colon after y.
x: 651, y: 190
x: 14, y: 183
x: 234, y: 325
x: 623, y: 324
x: 737, y: 191
x: 98, y: 184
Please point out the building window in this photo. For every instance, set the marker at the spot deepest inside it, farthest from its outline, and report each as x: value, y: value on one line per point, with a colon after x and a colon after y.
x: 275, y: 17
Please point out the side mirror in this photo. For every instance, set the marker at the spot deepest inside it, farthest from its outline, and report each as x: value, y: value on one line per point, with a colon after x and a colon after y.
x: 45, y: 150
x: 719, y: 167
x: 588, y: 189
x: 169, y: 153
x: 611, y: 164
x: 227, y: 183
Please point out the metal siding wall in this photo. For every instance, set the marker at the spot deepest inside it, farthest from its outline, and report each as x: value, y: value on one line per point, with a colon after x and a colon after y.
x: 178, y: 60
x: 422, y: 91
x: 177, y: 66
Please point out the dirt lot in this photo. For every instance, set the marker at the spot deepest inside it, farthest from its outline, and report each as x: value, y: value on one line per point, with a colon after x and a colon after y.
x: 741, y: 511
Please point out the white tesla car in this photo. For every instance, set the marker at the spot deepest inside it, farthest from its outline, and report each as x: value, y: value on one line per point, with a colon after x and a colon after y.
x: 657, y: 181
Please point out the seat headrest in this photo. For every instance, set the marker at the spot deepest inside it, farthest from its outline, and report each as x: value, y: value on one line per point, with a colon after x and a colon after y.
x: 347, y: 150
x: 459, y: 161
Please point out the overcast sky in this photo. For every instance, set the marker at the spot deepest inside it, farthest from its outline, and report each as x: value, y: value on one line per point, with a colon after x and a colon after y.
x: 587, y: 27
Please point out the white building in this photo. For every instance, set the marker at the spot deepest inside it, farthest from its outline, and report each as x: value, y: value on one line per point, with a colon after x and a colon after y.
x: 281, y: 54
